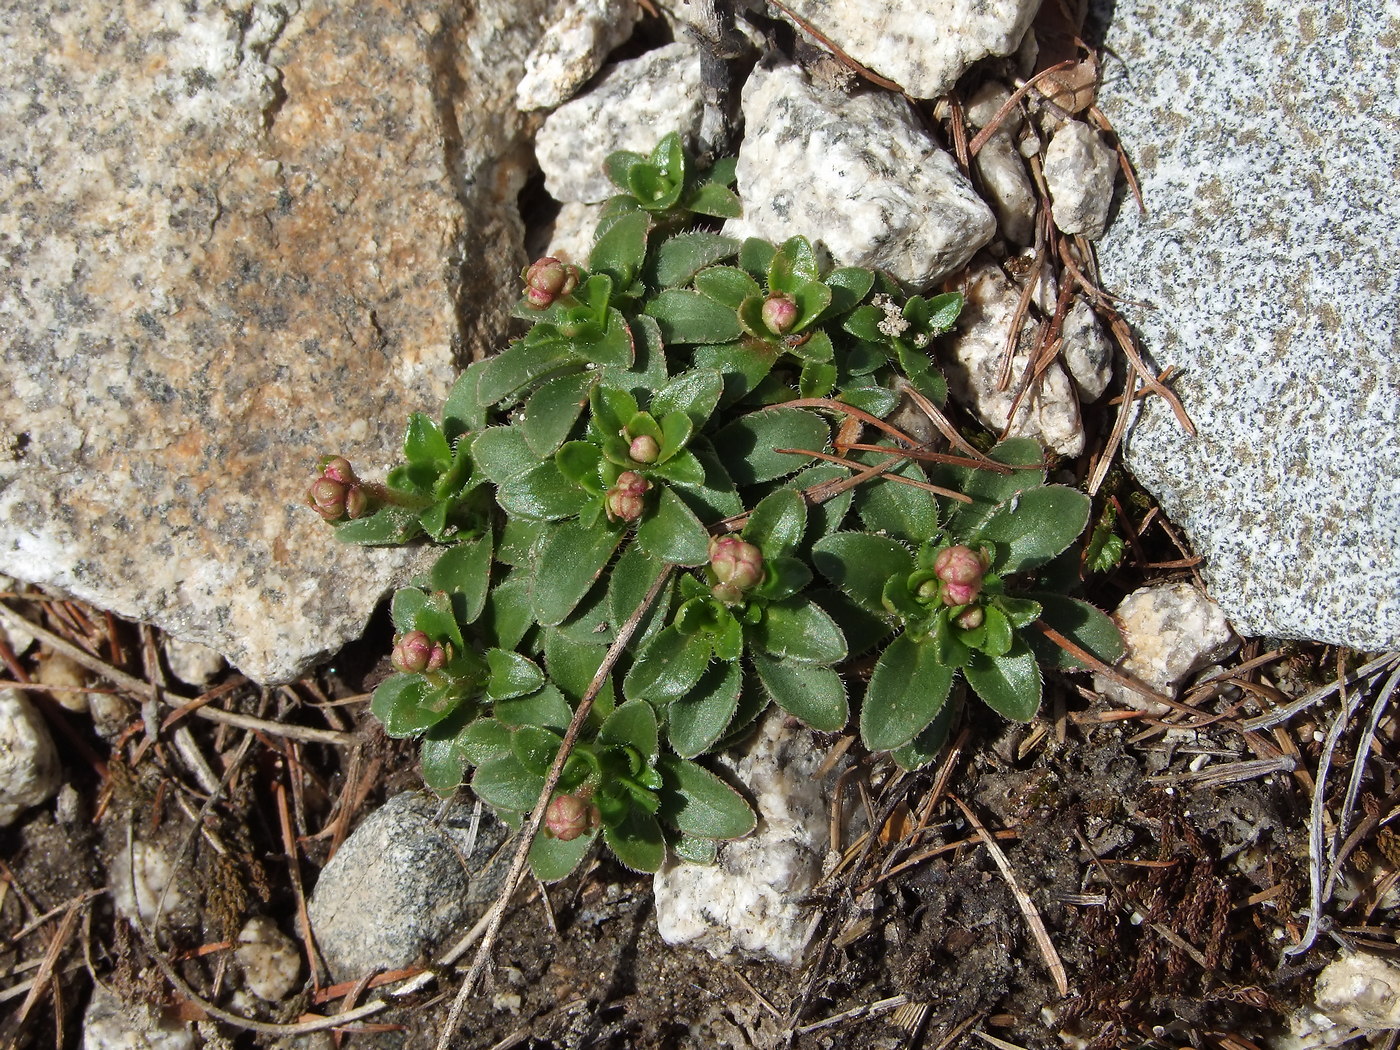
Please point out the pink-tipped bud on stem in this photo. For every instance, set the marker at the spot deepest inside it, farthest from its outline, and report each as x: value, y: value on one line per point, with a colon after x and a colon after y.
x: 779, y: 314
x: 644, y: 449
x: 961, y: 569
x: 548, y: 279
x: 416, y: 653
x: 569, y: 816
x: 338, y: 495
x: 626, y: 500
x: 736, y: 566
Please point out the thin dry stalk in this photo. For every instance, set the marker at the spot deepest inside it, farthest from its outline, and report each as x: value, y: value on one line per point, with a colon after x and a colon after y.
x: 980, y: 139
x: 1028, y: 908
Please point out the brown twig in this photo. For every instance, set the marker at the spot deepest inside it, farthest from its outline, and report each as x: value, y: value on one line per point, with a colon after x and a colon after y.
x: 851, y: 465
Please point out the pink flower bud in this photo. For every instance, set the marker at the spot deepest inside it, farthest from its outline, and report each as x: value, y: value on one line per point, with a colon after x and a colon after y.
x: 569, y: 816
x: 736, y: 566
x: 779, y: 314
x: 337, y: 494
x: 547, y: 279
x: 626, y: 500
x: 338, y: 468
x: 644, y: 449
x: 961, y: 569
x: 970, y: 619
x: 415, y: 653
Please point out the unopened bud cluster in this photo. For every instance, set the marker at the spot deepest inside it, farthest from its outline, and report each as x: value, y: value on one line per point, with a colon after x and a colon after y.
x: 736, y: 566
x: 960, y: 570
x: 548, y: 279
x: 338, y: 495
x: 416, y: 653
x: 627, y: 498
x: 570, y: 816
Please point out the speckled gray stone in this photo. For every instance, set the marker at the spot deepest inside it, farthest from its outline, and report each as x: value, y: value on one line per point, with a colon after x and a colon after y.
x: 1079, y: 172
x: 29, y: 769
x: 857, y: 173
x: 237, y: 234
x: 632, y: 106
x: 1000, y: 166
x: 1265, y: 135
x: 573, y: 48
x: 922, y: 47
x: 401, y: 885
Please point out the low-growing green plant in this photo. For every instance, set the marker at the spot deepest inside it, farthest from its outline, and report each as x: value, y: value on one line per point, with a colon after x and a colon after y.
x: 677, y: 499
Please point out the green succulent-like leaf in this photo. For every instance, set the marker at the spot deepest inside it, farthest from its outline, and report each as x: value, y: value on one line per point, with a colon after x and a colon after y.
x: 813, y: 694
x: 409, y: 707
x: 679, y: 258
x: 386, y: 527
x: 443, y: 766
x: 699, y: 803
x: 668, y: 667
x: 727, y: 285
x: 891, y: 507
x: 1033, y: 526
x: 743, y: 365
x: 879, y: 401
x: 637, y: 842
x: 504, y: 782
x: 633, y: 724
x: 572, y: 665
x: 783, y: 577
x: 695, y: 393
x: 580, y: 463
x: 544, y: 707
x: 1020, y: 611
x: 859, y: 564
x: 618, y: 163
x: 1010, y: 684
x: 798, y: 630
x: 404, y: 608
x: 749, y: 445
x: 509, y: 612
x: 676, y: 429
x: 673, y: 533
x: 849, y: 285
x: 936, y: 315
x: 794, y: 265
x: 522, y: 364
x: 987, y: 488
x: 502, y: 454
x: 812, y: 297
x: 535, y: 747
x: 621, y: 250
x: 482, y: 740
x: 464, y: 412
x: 695, y: 721
x: 511, y: 675
x: 697, y: 851
x: 816, y: 380
x: 906, y: 691
x: 1081, y: 623
x: 552, y: 859
x: 541, y: 492
x: 756, y: 256
x: 689, y: 317
x: 424, y: 442
x: 715, y: 200
x: 628, y: 583
x: 572, y: 558
x: 930, y: 742
x: 464, y: 571
x: 777, y: 524
x: 552, y: 410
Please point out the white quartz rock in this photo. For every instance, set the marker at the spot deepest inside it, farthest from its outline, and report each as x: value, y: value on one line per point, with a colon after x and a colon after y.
x: 572, y: 49
x: 270, y: 959
x: 1086, y: 352
x: 192, y: 662
x: 1049, y: 412
x: 572, y: 237
x: 859, y: 174
x: 146, y: 882
x: 748, y: 902
x: 1079, y: 173
x: 632, y: 106
x: 29, y: 767
x: 1000, y: 167
x: 1362, y: 990
x: 1169, y: 631
x: 922, y: 48
x: 111, y: 1023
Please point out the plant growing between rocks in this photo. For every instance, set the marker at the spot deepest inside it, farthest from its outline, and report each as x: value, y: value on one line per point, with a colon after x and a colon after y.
x: 679, y: 498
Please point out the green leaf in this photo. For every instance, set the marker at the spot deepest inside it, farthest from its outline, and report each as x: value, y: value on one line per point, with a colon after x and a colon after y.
x: 756, y: 256
x: 727, y: 285
x: 1034, y: 526
x: 572, y: 558
x: 615, y: 347
x: 579, y: 462
x: 814, y: 695
x: 859, y: 564
x: 634, y: 724
x: 714, y: 200
x: 682, y: 468
x: 797, y: 630
x: 628, y: 584
x: 906, y: 691
x: 929, y: 744
x: 743, y: 365
x: 794, y: 264
x: 694, y: 392
x: 482, y: 740
x: 386, y: 527
x: 689, y: 317
x: 849, y: 285
x: 637, y: 842
x: 678, y: 258
x: 618, y: 163
x: 545, y: 707
x: 463, y: 411
x: 1082, y: 624
x: 409, y: 704
x: 695, y: 721
x: 404, y: 608
x: 673, y: 533
x: 424, y: 442
x: 541, y: 492
x: 1010, y: 684
x: 989, y: 488
x: 521, y: 364
x: 572, y: 664
x: 509, y: 613
x: 442, y: 765
x: 464, y: 571
x: 553, y: 859
x: 620, y: 251
x: 551, y: 412
x: 676, y: 429
x: 897, y: 509
x: 502, y: 453
x: 511, y: 675
x: 438, y: 619
x: 701, y: 804
x: 505, y: 783
x: 936, y: 315
x: 536, y: 748
x: 748, y: 446
x: 812, y: 299
x: 668, y: 667
x: 778, y: 522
